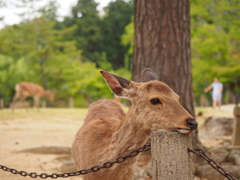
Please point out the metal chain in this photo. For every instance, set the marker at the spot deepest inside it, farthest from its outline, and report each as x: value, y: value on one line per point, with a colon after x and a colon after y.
x: 108, y: 164
x: 200, y: 152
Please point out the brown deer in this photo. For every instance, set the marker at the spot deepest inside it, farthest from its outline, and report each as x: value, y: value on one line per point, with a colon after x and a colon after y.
x: 107, y: 132
x: 29, y: 89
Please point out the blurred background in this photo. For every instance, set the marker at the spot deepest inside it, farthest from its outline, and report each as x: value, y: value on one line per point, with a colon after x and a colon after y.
x: 64, y: 52
x: 62, y: 45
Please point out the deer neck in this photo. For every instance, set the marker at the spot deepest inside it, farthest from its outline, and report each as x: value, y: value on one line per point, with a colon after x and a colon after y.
x: 129, y: 136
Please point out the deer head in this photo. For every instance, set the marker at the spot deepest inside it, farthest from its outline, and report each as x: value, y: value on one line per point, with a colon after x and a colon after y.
x: 155, y: 105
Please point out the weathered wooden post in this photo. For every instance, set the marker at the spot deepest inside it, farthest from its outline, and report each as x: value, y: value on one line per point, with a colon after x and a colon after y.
x: 203, y: 101
x: 1, y: 103
x: 44, y: 104
x: 71, y: 102
x: 236, y: 127
x: 170, y: 159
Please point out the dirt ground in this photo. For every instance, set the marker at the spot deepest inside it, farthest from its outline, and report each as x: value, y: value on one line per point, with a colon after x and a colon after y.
x: 48, y: 129
x: 22, y: 130
x: 225, y: 111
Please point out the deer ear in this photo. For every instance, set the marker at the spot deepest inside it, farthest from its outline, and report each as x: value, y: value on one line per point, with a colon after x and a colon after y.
x: 149, y: 75
x: 116, y: 83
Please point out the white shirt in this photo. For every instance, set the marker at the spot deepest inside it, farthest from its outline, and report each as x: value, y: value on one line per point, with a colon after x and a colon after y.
x: 216, y: 87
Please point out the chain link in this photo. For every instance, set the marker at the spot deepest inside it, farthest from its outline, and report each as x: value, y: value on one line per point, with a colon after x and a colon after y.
x: 108, y: 164
x: 200, y: 152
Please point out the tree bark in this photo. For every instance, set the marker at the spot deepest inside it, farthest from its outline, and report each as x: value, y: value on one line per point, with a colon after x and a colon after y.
x: 162, y: 43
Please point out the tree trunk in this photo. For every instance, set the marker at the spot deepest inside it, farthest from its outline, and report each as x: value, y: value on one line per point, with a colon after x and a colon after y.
x: 162, y: 43
x: 43, y: 77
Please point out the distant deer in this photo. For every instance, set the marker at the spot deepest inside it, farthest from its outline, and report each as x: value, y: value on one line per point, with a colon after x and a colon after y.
x: 29, y: 89
x: 107, y: 132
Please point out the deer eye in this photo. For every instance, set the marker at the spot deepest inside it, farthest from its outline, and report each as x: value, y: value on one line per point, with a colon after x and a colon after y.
x: 155, y: 101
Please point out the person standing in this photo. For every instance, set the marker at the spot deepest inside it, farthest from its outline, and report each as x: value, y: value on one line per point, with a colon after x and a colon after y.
x: 217, y: 87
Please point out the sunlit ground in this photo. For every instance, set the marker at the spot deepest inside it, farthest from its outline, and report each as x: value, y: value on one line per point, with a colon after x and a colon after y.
x: 51, y: 127
x: 225, y: 111
x: 42, y: 112
x: 33, y: 129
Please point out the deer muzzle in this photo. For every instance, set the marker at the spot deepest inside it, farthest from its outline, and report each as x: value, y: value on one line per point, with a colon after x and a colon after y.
x: 192, y: 124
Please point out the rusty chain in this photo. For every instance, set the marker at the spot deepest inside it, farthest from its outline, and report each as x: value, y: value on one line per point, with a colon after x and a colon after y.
x: 108, y: 164
x: 200, y: 152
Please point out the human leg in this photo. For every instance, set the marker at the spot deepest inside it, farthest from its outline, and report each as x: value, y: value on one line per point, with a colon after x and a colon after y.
x: 214, y: 104
x: 219, y: 100
x: 217, y: 97
x: 219, y: 103
x: 214, y: 98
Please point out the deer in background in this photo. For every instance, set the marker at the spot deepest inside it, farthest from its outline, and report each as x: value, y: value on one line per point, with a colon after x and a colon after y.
x: 29, y: 89
x: 107, y: 132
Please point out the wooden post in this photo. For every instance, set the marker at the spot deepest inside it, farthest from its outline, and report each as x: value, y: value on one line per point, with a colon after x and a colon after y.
x: 71, y: 102
x: 1, y: 103
x: 236, y: 127
x: 203, y: 101
x: 170, y: 159
x: 44, y: 104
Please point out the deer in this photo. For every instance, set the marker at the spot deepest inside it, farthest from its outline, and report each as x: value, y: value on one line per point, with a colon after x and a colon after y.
x: 108, y: 132
x: 29, y: 89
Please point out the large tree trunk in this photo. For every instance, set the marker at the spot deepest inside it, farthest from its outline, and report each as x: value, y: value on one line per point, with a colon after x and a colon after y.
x: 162, y: 43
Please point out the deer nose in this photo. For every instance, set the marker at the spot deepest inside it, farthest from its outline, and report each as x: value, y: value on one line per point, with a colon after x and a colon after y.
x: 192, y: 124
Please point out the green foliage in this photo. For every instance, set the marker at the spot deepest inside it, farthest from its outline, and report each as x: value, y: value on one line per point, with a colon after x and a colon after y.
x: 65, y: 56
x: 103, y: 63
x: 87, y: 33
x: 209, y: 49
x: 11, y: 72
x: 118, y: 15
x: 215, y: 42
x: 99, y: 38
x: 49, y: 11
x: 127, y: 39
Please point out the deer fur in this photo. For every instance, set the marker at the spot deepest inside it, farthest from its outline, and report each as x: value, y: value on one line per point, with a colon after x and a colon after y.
x: 107, y: 132
x: 29, y: 89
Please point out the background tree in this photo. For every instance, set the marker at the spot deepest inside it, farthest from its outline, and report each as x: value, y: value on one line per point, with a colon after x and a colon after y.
x: 117, y: 15
x: 162, y: 42
x: 127, y: 39
x: 88, y: 38
x: 11, y: 72
x: 215, y: 44
x: 43, y: 50
x: 84, y: 15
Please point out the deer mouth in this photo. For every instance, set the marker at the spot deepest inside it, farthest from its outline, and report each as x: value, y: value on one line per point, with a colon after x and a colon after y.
x: 184, y: 131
